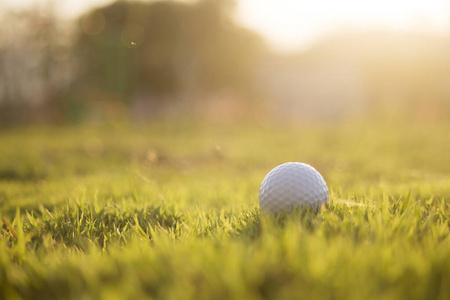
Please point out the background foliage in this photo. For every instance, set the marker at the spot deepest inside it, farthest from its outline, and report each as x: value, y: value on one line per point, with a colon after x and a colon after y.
x: 146, y: 60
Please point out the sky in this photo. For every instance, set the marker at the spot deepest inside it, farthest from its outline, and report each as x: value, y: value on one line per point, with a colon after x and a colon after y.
x: 293, y: 24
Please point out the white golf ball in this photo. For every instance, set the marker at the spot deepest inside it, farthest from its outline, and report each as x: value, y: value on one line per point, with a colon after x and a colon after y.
x: 290, y: 185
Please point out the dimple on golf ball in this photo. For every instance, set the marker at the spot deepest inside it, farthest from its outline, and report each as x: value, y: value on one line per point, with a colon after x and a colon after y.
x: 290, y: 185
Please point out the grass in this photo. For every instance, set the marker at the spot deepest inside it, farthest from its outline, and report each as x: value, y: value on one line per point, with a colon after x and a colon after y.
x: 170, y: 211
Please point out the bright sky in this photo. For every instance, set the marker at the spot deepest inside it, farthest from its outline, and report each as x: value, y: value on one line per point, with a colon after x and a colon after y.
x: 291, y: 24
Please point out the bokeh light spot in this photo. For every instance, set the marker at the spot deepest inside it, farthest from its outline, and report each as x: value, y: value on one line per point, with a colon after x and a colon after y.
x: 93, y: 23
x: 132, y: 36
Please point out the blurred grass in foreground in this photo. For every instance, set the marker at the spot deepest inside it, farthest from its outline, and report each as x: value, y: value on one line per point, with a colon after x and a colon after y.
x: 170, y: 211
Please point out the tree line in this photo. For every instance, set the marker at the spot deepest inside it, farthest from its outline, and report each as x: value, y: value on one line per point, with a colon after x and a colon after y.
x: 122, y: 49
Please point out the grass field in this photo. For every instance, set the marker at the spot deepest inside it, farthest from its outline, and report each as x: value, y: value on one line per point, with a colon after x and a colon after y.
x: 170, y: 211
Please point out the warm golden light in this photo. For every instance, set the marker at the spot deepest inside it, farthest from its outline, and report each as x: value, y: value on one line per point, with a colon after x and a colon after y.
x: 291, y: 24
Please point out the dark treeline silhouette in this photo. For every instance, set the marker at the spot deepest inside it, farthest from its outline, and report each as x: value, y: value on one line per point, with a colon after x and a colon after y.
x: 143, y: 59
x: 165, y: 48
x: 128, y: 51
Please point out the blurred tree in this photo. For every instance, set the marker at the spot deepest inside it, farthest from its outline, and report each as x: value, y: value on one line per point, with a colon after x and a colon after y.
x: 35, y: 65
x: 164, y: 47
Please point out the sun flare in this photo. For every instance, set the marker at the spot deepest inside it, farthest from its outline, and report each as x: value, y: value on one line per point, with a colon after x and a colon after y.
x: 290, y: 24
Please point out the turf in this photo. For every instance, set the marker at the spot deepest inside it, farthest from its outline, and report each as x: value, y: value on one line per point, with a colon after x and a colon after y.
x: 170, y: 211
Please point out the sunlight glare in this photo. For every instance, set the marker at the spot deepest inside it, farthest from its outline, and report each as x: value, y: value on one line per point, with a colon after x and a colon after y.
x: 290, y: 23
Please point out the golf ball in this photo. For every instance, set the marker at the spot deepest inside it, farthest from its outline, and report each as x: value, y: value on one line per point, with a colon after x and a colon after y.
x: 290, y: 185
